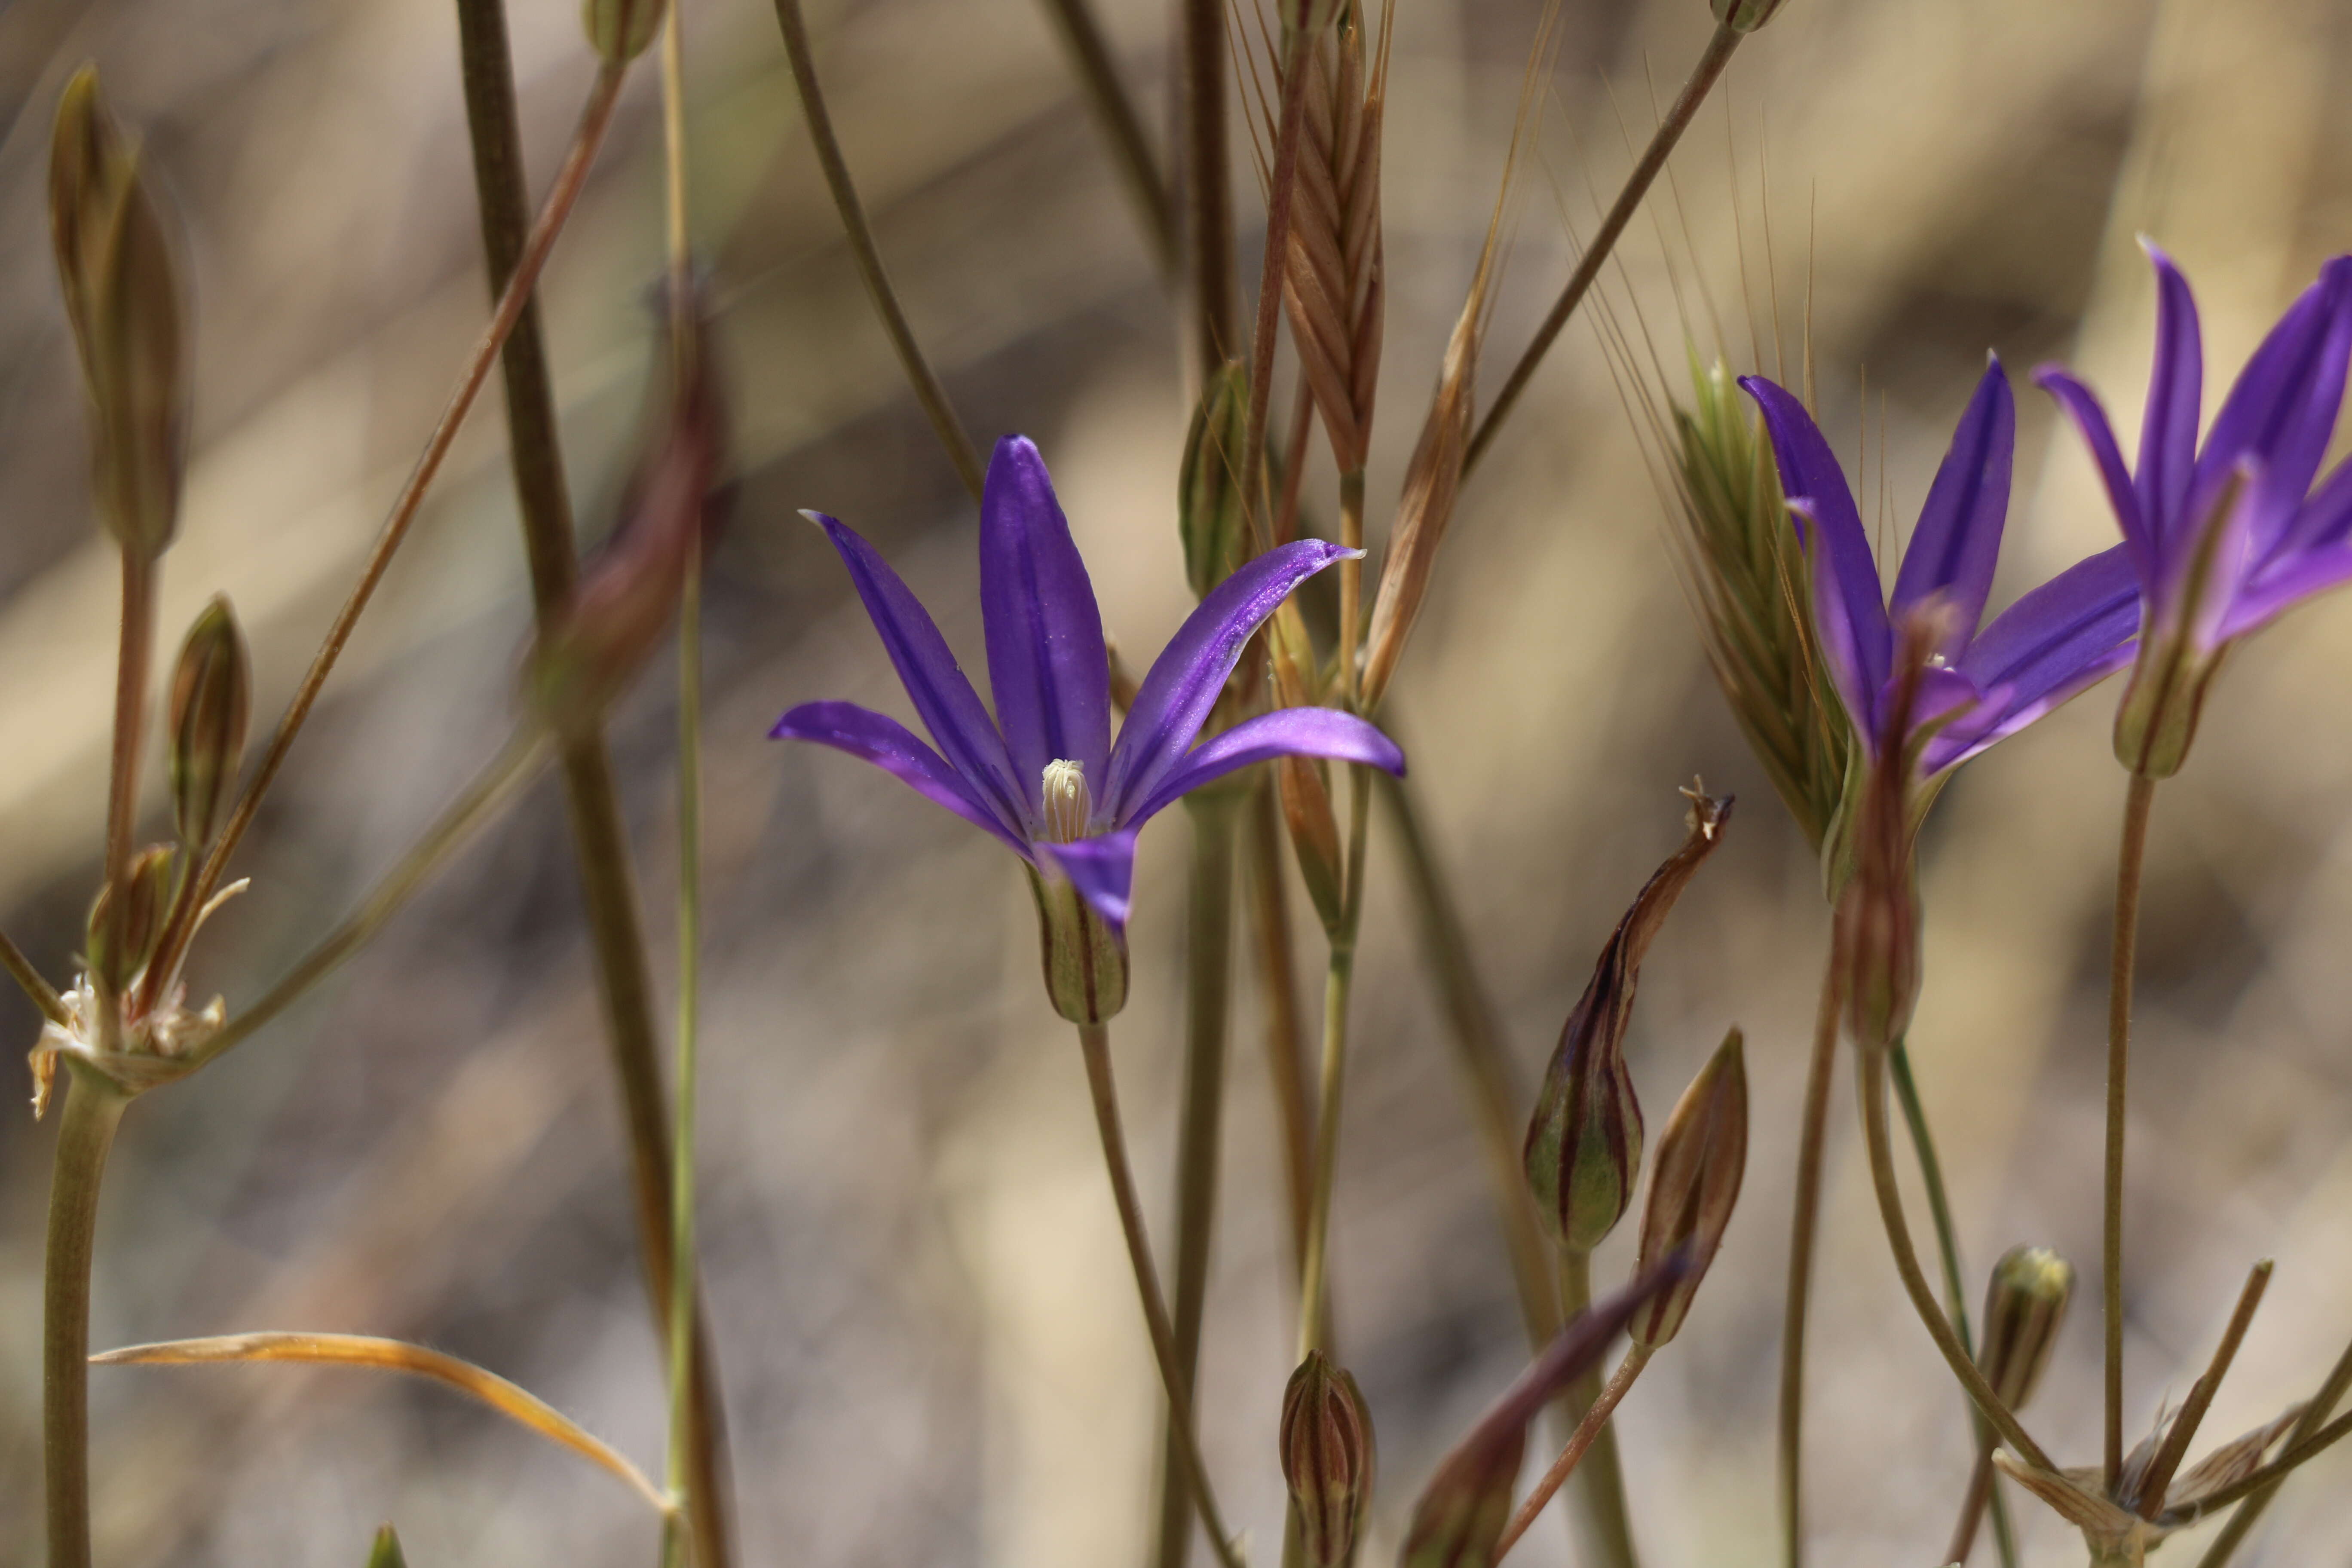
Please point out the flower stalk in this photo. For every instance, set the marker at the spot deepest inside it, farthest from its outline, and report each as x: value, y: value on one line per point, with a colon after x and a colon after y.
x: 94, y: 1109
x: 1812, y: 1136
x: 1314, y: 1290
x: 1588, y: 1432
x: 1601, y: 1486
x: 2130, y: 866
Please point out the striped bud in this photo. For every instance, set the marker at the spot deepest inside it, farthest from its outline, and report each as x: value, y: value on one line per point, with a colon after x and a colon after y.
x: 1460, y: 1516
x: 1583, y: 1149
x: 123, y: 295
x: 212, y: 700
x: 1745, y: 16
x: 1327, y: 1458
x: 125, y: 922
x: 1702, y: 1154
x: 1210, y: 516
x: 1085, y: 959
x: 2024, y: 1307
x: 621, y: 30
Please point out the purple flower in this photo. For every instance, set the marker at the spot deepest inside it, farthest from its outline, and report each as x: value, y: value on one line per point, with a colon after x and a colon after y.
x: 2225, y: 537
x: 1980, y: 686
x: 1044, y: 775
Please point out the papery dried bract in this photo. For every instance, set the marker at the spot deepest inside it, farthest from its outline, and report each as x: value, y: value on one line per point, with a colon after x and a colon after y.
x: 621, y: 30
x: 123, y: 296
x: 1211, y: 515
x: 126, y: 919
x: 1425, y: 507
x: 2025, y: 1305
x: 211, y: 704
x: 1327, y: 1458
x: 1702, y: 1155
x: 1583, y: 1147
x: 2119, y: 1538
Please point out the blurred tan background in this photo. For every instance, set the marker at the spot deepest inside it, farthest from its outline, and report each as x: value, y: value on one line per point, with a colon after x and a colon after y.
x: 930, y: 1340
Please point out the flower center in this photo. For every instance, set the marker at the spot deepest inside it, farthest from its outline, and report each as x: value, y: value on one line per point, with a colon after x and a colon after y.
x: 1068, y: 802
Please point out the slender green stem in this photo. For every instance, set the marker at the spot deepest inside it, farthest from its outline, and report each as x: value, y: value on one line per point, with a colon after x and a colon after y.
x: 1686, y: 106
x: 2130, y: 863
x: 685, y: 1270
x: 1202, y: 58
x: 1973, y: 1500
x: 134, y: 654
x: 600, y: 841
x: 1588, y: 1432
x: 1812, y: 1136
x: 1121, y: 125
x: 1278, y: 981
x: 1094, y: 1046
x: 93, y: 1109
x: 2156, y: 1480
x: 1313, y: 1289
x: 1601, y: 1484
x: 2314, y: 1414
x: 925, y: 384
x: 1208, y: 956
x: 43, y: 994
x: 1915, y: 1282
x: 1947, y: 1253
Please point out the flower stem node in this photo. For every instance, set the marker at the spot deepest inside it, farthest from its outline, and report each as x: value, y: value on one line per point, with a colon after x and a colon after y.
x: 1327, y: 1457
x: 1702, y: 1155
x: 1084, y: 955
x: 2024, y: 1307
x: 212, y: 702
x: 1211, y: 517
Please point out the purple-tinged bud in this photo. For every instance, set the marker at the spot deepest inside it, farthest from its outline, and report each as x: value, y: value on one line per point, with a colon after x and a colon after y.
x: 2024, y: 1307
x: 1702, y: 1154
x: 1460, y: 1516
x: 1583, y: 1149
x: 212, y: 702
x: 1085, y: 959
x: 386, y: 1552
x: 1327, y: 1458
x: 595, y: 644
x: 1210, y: 516
x: 1745, y: 16
x: 123, y: 295
x: 621, y: 30
x: 125, y: 922
x: 2181, y: 651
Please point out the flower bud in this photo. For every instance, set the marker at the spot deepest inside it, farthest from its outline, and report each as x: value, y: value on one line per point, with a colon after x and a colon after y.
x: 1702, y: 1154
x: 1583, y: 1149
x: 2024, y: 1307
x: 1327, y: 1458
x: 621, y: 30
x: 123, y: 295
x: 1211, y: 516
x: 212, y: 699
x: 1314, y: 834
x: 2180, y: 648
x: 125, y: 922
x: 1745, y: 16
x: 386, y: 1552
x: 595, y: 644
x: 1460, y: 1516
x: 1085, y: 959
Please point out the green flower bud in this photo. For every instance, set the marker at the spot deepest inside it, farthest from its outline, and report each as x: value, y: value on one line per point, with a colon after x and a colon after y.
x: 621, y: 30
x: 1460, y: 1516
x: 1583, y: 1149
x: 1085, y: 959
x: 1745, y: 16
x: 123, y: 296
x: 1702, y: 1154
x: 212, y: 700
x: 1211, y: 515
x: 2024, y: 1307
x: 2181, y: 651
x: 124, y: 928
x: 1327, y: 1458
x: 386, y: 1552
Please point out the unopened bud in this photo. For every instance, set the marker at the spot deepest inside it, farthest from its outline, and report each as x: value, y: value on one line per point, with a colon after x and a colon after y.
x: 1460, y: 1516
x: 2181, y: 651
x: 123, y: 296
x: 1583, y: 1149
x: 1314, y: 834
x: 125, y: 922
x: 212, y: 699
x: 1702, y: 1154
x: 1327, y: 1458
x: 621, y: 30
x: 2024, y: 1307
x: 1745, y: 16
x: 1084, y: 957
x: 386, y: 1552
x: 1210, y: 514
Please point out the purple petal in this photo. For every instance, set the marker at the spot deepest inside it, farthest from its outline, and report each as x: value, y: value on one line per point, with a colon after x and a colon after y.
x: 943, y: 699
x: 2304, y: 576
x: 1955, y: 548
x: 2323, y: 520
x: 2063, y: 637
x: 1286, y: 733
x: 2282, y: 410
x: 2083, y: 406
x: 1182, y: 684
x: 892, y: 747
x: 1102, y: 868
x: 2167, y: 434
x: 1046, y: 666
x: 1849, y: 610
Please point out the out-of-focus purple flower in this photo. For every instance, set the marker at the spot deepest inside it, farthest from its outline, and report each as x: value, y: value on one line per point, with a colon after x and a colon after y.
x: 1981, y: 685
x: 2224, y: 537
x: 1044, y: 775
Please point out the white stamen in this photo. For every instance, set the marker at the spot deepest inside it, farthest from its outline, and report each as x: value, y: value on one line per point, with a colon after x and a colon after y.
x: 1068, y: 803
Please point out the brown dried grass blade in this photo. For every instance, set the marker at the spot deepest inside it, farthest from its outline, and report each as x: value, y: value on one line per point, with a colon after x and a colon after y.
x: 517, y: 1403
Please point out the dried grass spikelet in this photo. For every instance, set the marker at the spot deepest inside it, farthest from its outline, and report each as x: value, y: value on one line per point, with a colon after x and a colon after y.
x: 1425, y: 506
x: 1332, y: 283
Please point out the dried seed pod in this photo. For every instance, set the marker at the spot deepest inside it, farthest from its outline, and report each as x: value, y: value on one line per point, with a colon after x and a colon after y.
x: 2024, y: 1306
x: 1583, y: 1149
x: 125, y: 923
x: 1211, y: 516
x: 1702, y: 1155
x: 123, y: 295
x: 1327, y: 1458
x: 621, y: 30
x: 212, y: 702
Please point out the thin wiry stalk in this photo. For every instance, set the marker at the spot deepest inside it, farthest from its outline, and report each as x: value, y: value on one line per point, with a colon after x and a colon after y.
x: 2266, y: 1479
x: 2322, y: 1404
x: 85, y: 1133
x: 599, y: 837
x: 1602, y: 1480
x: 919, y: 377
x: 1314, y: 1291
x: 680, y: 1474
x: 1588, y: 1431
x: 136, y: 652
x: 1703, y: 78
x: 1207, y: 182
x: 20, y: 969
x: 2156, y: 1480
x: 1278, y: 983
x: 1121, y: 126
x: 1811, y: 1136
x: 2130, y: 864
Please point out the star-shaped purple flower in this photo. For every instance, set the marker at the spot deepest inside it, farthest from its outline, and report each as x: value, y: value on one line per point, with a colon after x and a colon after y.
x: 2224, y: 537
x: 2049, y: 645
x: 1044, y: 775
